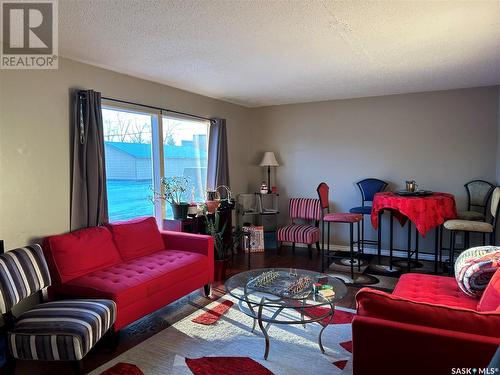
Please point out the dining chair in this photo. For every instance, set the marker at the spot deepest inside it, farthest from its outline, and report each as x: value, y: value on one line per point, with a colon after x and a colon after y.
x: 63, y: 330
x: 338, y: 217
x: 478, y: 194
x: 368, y: 188
x: 307, y: 210
x: 472, y: 226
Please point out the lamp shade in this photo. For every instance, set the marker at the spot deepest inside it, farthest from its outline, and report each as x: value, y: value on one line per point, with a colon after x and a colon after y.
x: 269, y: 160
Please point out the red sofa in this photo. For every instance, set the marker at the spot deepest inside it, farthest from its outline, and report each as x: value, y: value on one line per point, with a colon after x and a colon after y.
x: 426, y: 326
x: 132, y: 263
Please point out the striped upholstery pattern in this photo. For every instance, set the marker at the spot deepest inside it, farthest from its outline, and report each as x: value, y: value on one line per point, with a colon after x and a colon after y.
x: 305, y: 208
x: 475, y: 267
x: 61, y: 330
x: 299, y: 233
x: 23, y: 272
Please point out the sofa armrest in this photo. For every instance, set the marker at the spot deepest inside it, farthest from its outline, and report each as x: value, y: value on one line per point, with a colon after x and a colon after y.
x: 401, y: 348
x: 378, y: 304
x: 196, y: 243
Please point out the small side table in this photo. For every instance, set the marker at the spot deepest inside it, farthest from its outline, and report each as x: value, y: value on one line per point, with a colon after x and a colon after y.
x: 189, y: 225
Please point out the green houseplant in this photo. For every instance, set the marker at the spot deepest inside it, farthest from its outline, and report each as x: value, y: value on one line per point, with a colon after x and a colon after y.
x: 222, y: 246
x: 174, y: 192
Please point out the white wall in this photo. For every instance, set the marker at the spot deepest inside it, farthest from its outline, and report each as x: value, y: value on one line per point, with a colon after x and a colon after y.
x: 440, y: 139
x: 35, y: 140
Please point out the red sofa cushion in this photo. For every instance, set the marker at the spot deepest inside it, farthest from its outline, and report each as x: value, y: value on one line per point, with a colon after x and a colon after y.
x: 137, y: 237
x: 490, y: 301
x: 139, y: 278
x: 433, y: 289
x: 381, y: 305
x: 77, y: 253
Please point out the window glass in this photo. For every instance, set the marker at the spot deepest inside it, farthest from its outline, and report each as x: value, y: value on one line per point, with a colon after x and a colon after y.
x: 129, y: 169
x: 185, y: 149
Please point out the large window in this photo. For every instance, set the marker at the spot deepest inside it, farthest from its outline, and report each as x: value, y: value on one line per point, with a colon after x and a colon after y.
x: 185, y: 154
x: 133, y: 151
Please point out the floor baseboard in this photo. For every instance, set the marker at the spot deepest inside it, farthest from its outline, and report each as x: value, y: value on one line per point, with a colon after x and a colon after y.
x: 384, y: 252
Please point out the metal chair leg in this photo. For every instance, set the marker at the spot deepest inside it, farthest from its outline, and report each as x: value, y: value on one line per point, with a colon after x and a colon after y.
x: 322, y: 246
x: 452, y: 251
x: 391, y: 238
x: 359, y: 251
x: 436, y: 249
x: 362, y: 235
x: 409, y: 246
x: 441, y: 231
x: 351, y: 246
x: 416, y: 244
x: 379, y: 244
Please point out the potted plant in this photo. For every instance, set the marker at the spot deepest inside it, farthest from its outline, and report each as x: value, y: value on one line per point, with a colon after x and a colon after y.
x: 222, y: 247
x: 174, y: 189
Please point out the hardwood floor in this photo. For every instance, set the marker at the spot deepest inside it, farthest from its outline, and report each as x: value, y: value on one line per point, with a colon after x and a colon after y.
x: 163, y: 318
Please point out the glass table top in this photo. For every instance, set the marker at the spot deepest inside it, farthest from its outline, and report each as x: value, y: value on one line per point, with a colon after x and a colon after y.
x: 284, y: 287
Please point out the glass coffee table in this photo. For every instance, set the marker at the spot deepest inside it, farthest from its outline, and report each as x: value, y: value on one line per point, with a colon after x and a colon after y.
x: 265, y: 293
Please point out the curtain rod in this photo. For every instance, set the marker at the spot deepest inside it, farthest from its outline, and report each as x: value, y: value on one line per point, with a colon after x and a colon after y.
x: 82, y: 92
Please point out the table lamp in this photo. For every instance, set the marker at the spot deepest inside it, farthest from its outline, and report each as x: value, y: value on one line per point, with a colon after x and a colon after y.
x: 269, y: 160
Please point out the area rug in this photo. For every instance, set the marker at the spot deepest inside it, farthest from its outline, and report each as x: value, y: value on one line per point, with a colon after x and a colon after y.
x: 227, y: 346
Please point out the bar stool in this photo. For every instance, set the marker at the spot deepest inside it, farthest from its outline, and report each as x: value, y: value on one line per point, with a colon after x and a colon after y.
x: 368, y: 188
x: 344, y: 217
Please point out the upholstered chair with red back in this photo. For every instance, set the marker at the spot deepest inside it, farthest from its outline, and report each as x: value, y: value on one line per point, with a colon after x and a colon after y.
x: 337, y: 217
x: 305, y: 215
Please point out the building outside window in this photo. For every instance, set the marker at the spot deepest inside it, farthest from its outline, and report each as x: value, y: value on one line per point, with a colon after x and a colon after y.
x: 133, y: 150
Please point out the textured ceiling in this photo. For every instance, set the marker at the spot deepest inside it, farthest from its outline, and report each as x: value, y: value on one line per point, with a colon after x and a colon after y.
x: 274, y: 52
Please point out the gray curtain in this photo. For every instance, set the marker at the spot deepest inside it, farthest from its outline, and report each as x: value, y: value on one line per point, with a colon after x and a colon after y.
x: 89, y: 206
x: 218, y: 167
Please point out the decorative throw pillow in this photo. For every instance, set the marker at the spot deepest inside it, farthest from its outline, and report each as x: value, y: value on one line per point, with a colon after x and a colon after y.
x: 475, y: 267
x: 137, y: 237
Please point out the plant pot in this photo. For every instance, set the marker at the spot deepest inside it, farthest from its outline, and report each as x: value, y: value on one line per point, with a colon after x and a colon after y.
x: 180, y: 210
x: 192, y: 210
x: 212, y: 206
x: 220, y: 269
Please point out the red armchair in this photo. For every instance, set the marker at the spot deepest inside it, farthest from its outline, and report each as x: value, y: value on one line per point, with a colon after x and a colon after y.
x: 426, y: 326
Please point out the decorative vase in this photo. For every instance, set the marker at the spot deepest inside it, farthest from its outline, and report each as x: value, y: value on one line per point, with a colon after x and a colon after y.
x: 263, y: 188
x: 220, y: 269
x: 212, y: 206
x: 180, y: 210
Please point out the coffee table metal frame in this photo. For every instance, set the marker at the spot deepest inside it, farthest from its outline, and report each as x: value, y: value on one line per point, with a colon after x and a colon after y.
x: 254, y: 309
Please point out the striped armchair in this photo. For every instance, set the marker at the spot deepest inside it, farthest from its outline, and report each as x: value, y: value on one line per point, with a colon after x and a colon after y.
x: 53, y: 331
x: 305, y: 209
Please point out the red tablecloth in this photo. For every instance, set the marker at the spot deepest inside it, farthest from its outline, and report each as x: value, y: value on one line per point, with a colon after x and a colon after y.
x: 425, y: 212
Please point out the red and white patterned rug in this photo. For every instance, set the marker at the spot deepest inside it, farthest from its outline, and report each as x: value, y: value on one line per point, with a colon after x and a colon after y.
x: 218, y: 340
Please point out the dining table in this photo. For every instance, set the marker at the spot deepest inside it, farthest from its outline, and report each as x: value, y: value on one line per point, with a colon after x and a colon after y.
x: 425, y: 211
